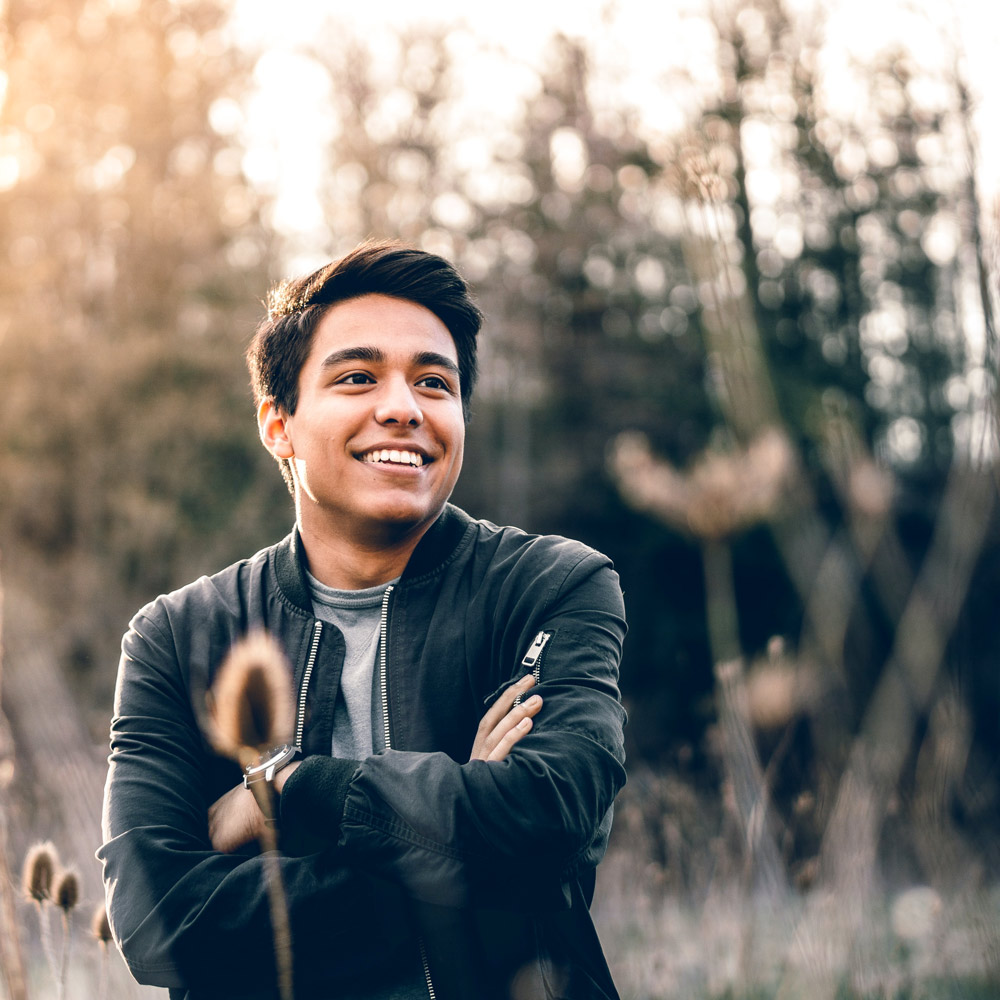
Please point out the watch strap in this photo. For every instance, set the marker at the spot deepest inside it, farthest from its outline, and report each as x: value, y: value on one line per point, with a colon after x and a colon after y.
x: 270, y: 763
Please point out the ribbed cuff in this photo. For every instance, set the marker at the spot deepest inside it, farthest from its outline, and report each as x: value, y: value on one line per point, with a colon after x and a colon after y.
x: 312, y: 799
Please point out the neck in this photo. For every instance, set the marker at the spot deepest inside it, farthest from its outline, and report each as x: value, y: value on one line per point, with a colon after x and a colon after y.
x: 349, y: 562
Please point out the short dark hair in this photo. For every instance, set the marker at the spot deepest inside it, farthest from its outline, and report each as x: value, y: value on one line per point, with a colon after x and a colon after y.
x: 284, y: 337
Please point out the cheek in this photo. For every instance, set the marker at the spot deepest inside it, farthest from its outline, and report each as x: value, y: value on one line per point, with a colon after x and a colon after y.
x: 458, y: 456
x: 458, y: 440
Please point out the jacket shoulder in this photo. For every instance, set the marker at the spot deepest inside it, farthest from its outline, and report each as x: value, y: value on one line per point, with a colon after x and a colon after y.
x: 517, y: 545
x: 224, y: 592
x: 517, y: 565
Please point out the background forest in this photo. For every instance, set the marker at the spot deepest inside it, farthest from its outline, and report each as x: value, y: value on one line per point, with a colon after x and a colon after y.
x: 752, y: 356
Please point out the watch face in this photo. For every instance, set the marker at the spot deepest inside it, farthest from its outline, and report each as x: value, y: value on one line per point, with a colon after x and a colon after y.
x: 269, y: 764
x: 276, y: 756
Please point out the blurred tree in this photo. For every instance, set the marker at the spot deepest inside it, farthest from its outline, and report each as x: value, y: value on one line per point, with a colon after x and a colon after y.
x: 847, y: 231
x: 835, y: 257
x: 592, y: 332
x: 597, y: 295
x: 390, y: 171
x: 134, y: 261
x: 843, y: 234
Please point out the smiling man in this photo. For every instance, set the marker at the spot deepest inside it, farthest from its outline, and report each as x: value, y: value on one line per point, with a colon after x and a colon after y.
x: 376, y: 438
x: 459, y: 730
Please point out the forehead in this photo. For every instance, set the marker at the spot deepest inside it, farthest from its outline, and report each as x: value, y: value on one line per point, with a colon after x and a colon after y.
x: 399, y: 328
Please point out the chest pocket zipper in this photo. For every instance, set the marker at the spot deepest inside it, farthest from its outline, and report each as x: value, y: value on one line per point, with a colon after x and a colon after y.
x: 533, y: 658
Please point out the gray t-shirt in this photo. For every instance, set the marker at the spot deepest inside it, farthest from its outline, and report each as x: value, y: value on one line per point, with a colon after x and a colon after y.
x: 357, y: 715
x: 357, y: 718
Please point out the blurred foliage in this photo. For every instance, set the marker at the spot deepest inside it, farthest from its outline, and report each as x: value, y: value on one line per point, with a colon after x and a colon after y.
x: 774, y: 267
x: 134, y: 262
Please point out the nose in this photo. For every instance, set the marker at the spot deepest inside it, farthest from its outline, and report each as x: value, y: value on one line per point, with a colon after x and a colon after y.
x: 398, y: 404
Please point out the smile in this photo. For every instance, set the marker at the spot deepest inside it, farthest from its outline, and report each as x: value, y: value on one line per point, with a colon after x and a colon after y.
x: 386, y: 456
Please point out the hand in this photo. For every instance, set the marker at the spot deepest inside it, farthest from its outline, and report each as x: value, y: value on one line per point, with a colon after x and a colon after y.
x: 235, y: 818
x: 504, y: 724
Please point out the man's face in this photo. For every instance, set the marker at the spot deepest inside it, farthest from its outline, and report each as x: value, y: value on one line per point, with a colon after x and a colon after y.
x: 378, y: 435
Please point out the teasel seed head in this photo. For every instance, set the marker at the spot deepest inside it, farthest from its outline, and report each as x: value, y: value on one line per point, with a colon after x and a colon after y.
x: 721, y: 495
x: 251, y: 702
x: 100, y: 926
x: 66, y: 893
x: 40, y: 865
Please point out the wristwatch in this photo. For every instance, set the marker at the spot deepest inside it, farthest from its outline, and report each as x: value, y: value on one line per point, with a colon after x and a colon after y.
x: 270, y: 763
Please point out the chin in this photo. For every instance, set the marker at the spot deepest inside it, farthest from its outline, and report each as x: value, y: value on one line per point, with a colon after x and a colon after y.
x: 402, y: 517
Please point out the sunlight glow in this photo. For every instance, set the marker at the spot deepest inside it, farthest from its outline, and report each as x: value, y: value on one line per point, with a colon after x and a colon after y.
x: 656, y: 59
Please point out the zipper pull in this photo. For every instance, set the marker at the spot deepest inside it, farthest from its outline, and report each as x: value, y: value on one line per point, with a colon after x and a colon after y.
x: 535, y: 650
x: 533, y: 657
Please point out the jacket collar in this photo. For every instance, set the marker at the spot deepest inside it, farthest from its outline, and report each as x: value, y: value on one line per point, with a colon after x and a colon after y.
x: 432, y: 551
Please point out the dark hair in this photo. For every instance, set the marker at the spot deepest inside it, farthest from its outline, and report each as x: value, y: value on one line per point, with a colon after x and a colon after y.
x: 284, y: 337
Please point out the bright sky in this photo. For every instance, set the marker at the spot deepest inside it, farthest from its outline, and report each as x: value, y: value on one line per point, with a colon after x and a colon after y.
x: 635, y: 43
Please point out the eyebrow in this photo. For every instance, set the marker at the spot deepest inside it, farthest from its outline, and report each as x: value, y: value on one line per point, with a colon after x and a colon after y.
x: 431, y: 359
x: 374, y: 355
x: 370, y: 354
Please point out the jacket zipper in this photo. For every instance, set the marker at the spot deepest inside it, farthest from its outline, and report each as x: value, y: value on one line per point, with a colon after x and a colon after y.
x: 427, y: 970
x: 387, y: 737
x: 533, y: 658
x: 306, y: 674
x: 383, y: 683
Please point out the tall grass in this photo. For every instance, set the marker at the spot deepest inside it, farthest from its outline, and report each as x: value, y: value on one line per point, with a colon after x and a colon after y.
x: 679, y: 920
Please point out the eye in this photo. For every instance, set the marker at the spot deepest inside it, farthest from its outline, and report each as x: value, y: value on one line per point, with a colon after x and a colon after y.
x: 435, y: 382
x: 355, y: 378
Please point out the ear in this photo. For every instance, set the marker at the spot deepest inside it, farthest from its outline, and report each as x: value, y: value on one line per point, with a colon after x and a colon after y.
x: 272, y: 423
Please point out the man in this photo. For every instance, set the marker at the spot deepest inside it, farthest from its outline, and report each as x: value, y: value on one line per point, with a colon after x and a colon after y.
x: 441, y: 825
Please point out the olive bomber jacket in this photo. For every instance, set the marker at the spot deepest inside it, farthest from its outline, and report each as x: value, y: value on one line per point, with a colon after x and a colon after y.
x: 488, y: 868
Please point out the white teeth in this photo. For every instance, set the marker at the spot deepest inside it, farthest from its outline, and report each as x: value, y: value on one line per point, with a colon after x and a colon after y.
x: 395, y: 456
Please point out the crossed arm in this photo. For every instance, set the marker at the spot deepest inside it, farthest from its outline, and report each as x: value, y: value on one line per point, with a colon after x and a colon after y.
x: 152, y: 904
x: 184, y: 902
x: 235, y: 819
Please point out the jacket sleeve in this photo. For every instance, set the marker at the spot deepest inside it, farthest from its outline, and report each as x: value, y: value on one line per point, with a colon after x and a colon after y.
x: 184, y: 915
x: 510, y: 834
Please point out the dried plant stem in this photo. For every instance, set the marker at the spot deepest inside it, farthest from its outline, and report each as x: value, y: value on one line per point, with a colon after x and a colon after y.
x: 11, y: 959
x: 277, y: 899
x: 102, y: 984
x: 747, y: 397
x: 101, y: 930
x: 907, y: 682
x: 252, y: 707
x: 64, y: 961
x: 764, y: 871
x: 45, y: 926
x: 849, y: 850
x: 720, y: 601
x: 742, y: 762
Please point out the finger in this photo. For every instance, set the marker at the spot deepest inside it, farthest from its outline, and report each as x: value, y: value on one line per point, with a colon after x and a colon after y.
x: 511, y: 720
x: 504, y: 703
x: 497, y: 711
x: 510, y: 739
x: 529, y: 707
